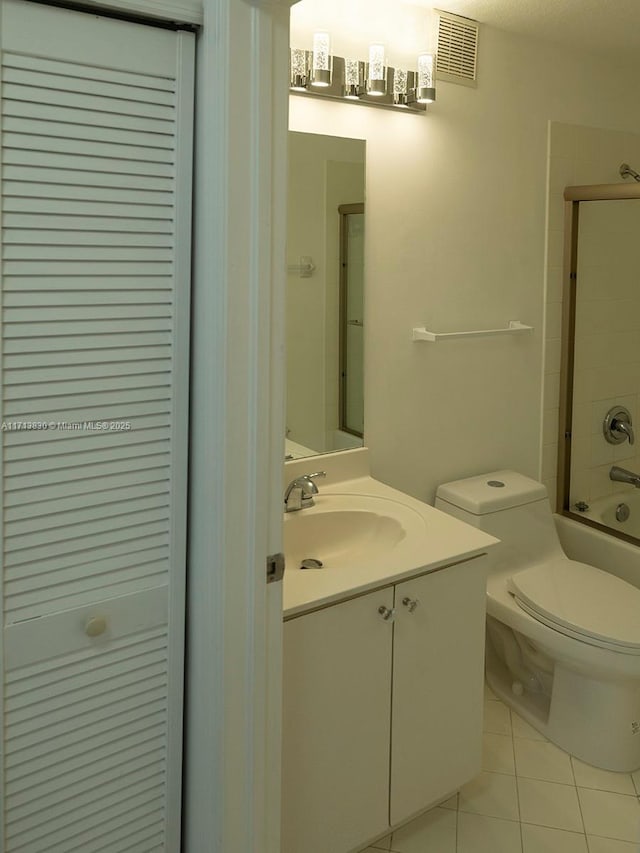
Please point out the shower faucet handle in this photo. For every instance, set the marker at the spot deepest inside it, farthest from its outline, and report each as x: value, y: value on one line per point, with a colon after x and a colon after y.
x: 617, y: 426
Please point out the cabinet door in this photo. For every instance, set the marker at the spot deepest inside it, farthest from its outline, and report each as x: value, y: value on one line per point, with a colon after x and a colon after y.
x: 336, y: 720
x: 438, y: 667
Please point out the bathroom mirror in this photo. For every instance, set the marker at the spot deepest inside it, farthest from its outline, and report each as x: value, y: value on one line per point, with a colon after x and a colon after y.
x: 325, y: 293
x: 601, y: 371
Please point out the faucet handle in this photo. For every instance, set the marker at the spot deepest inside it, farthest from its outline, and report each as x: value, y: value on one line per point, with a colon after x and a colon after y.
x: 299, y: 493
x: 618, y: 426
x: 308, y: 487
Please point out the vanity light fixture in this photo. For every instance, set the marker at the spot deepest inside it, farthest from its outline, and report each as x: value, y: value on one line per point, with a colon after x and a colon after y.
x: 353, y: 79
x: 376, y: 72
x: 400, y: 87
x: 321, y: 60
x: 426, y: 83
x: 299, y: 76
x: 316, y: 73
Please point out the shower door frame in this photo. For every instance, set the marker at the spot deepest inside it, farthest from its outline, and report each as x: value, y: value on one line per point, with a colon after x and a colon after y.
x: 573, y: 196
x: 345, y: 210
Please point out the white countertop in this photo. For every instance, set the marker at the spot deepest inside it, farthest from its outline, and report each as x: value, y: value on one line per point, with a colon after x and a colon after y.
x: 434, y: 539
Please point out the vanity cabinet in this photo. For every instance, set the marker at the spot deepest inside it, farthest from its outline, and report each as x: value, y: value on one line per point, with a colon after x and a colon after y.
x: 382, y: 717
x: 336, y: 720
x: 438, y: 676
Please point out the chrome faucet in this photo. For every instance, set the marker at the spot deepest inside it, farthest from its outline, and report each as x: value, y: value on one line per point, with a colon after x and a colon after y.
x: 621, y: 475
x: 299, y: 493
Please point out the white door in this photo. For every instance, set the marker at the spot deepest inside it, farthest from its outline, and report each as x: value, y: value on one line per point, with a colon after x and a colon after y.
x: 95, y: 248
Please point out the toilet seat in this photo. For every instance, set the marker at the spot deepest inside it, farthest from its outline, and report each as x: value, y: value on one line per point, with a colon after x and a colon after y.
x: 582, y: 602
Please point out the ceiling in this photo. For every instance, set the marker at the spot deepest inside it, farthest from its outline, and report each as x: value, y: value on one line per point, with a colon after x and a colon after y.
x: 610, y: 28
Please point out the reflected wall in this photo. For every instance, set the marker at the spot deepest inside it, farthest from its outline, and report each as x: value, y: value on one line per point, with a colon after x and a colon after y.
x: 325, y: 173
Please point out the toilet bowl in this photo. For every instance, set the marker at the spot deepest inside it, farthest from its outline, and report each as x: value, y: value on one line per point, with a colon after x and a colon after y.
x: 563, y: 637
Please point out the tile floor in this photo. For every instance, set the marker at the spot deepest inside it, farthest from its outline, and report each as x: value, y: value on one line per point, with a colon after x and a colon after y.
x: 531, y: 797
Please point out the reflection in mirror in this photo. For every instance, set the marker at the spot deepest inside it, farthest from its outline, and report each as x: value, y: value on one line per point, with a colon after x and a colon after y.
x: 325, y: 291
x: 351, y: 331
x: 604, y: 381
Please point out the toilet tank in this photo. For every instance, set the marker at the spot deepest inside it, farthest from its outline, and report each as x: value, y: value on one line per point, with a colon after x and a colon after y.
x: 509, y: 506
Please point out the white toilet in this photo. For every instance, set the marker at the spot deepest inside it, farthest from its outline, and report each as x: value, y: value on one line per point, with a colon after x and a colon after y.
x: 563, y: 638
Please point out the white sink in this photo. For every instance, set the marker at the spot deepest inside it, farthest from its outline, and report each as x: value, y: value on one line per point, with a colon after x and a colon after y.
x: 347, y: 530
x: 367, y: 535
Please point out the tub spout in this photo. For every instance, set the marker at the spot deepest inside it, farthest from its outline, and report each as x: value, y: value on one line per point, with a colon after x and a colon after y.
x: 621, y: 475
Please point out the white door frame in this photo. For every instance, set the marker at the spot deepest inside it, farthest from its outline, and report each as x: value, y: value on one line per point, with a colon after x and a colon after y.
x: 232, y: 781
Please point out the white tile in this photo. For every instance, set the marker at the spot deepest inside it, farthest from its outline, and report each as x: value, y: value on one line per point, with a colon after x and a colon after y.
x: 549, y: 460
x: 599, y: 482
x: 497, y: 753
x: 497, y: 718
x: 549, y: 804
x: 482, y: 834
x: 550, y: 425
x: 521, y: 728
x: 491, y: 794
x: 433, y: 832
x: 601, y: 450
x: 610, y: 815
x: 555, y: 284
x: 560, y: 173
x: 489, y: 694
x: 602, y: 780
x: 552, y: 390
x: 609, y: 845
x: 382, y: 844
x: 542, y: 839
x: 564, y: 143
x: 538, y: 759
x: 551, y: 486
x: 636, y: 780
x: 553, y: 320
x: 451, y: 803
x: 555, y: 248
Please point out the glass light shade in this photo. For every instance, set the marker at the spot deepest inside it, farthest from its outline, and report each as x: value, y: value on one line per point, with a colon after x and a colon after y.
x: 400, y: 81
x: 353, y: 78
x: 299, y: 68
x: 321, y: 61
x: 426, y: 88
x: 400, y: 86
x: 376, y: 79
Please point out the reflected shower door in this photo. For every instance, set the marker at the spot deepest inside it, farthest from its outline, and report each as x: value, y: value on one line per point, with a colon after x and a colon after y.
x: 352, y: 318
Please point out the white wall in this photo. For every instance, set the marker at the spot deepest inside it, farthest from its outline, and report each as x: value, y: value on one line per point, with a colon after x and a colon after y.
x: 456, y: 238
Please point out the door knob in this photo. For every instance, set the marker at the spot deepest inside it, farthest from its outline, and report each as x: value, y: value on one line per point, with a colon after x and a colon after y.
x: 387, y: 613
x: 410, y: 603
x: 95, y: 626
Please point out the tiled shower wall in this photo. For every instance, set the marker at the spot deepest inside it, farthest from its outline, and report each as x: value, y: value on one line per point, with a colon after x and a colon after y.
x: 608, y: 337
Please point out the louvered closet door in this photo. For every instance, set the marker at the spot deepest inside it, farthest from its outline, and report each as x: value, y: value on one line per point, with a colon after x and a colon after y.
x: 96, y: 161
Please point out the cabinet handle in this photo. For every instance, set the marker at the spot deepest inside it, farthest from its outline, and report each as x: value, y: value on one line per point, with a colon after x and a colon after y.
x: 387, y: 613
x: 410, y: 603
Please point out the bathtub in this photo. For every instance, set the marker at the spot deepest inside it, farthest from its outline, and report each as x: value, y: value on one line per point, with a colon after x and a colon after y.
x: 599, y: 548
x: 603, y: 511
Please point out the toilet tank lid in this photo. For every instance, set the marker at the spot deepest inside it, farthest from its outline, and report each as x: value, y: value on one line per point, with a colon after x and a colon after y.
x: 492, y: 492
